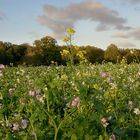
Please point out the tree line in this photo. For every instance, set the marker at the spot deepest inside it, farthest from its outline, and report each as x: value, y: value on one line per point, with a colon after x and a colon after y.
x: 46, y: 51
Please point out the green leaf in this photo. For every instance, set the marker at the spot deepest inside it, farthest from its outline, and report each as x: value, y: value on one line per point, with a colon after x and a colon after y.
x: 88, y: 137
x: 74, y: 137
x: 100, y: 137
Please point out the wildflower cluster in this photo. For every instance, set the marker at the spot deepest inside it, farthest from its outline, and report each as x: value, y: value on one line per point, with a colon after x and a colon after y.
x: 74, y: 103
x: 38, y: 94
x: 93, y: 102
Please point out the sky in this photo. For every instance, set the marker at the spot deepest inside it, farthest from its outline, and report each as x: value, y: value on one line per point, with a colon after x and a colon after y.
x: 97, y: 23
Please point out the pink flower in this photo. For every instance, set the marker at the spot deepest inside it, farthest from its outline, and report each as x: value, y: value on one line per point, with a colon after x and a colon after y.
x: 103, y: 74
x: 32, y: 93
x: 15, y: 127
x: 38, y: 91
x: 38, y: 97
x: 112, y: 137
x: 2, y: 66
x: 75, y: 102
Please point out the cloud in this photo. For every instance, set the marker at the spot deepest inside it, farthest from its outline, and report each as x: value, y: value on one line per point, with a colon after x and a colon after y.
x: 121, y: 35
x: 133, y: 33
x: 58, y: 19
x: 133, y: 1
x: 126, y: 45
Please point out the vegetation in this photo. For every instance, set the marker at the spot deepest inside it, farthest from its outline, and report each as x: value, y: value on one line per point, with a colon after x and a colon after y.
x: 88, y: 102
x: 45, y: 51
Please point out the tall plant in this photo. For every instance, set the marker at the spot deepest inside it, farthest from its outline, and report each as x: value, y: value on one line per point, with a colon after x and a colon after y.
x: 68, y: 40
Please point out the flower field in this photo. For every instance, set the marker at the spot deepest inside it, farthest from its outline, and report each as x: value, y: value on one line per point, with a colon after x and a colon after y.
x: 85, y: 102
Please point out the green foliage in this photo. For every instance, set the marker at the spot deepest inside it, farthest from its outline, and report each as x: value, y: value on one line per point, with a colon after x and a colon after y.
x: 45, y: 51
x: 83, y: 103
x: 51, y: 55
x: 2, y: 53
x: 45, y: 42
x: 112, y: 54
x: 94, y: 55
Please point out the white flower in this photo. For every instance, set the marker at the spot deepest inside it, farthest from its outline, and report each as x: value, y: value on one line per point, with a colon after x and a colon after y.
x: 104, y: 122
x: 24, y: 123
x: 136, y: 111
x: 68, y: 105
x: 11, y: 90
x: 130, y: 103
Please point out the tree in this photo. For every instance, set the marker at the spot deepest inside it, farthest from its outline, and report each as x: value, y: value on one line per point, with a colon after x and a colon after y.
x: 30, y: 57
x: 2, y: 53
x: 95, y: 55
x: 45, y: 42
x: 112, y: 54
x: 51, y: 55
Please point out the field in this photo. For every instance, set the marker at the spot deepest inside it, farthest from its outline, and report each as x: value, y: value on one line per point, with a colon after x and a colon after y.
x: 85, y: 102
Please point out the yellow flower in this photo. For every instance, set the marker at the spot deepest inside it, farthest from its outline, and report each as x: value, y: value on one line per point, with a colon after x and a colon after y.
x: 66, y: 39
x: 132, y: 52
x: 76, y: 48
x: 70, y: 31
x: 81, y: 54
x: 65, y: 54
